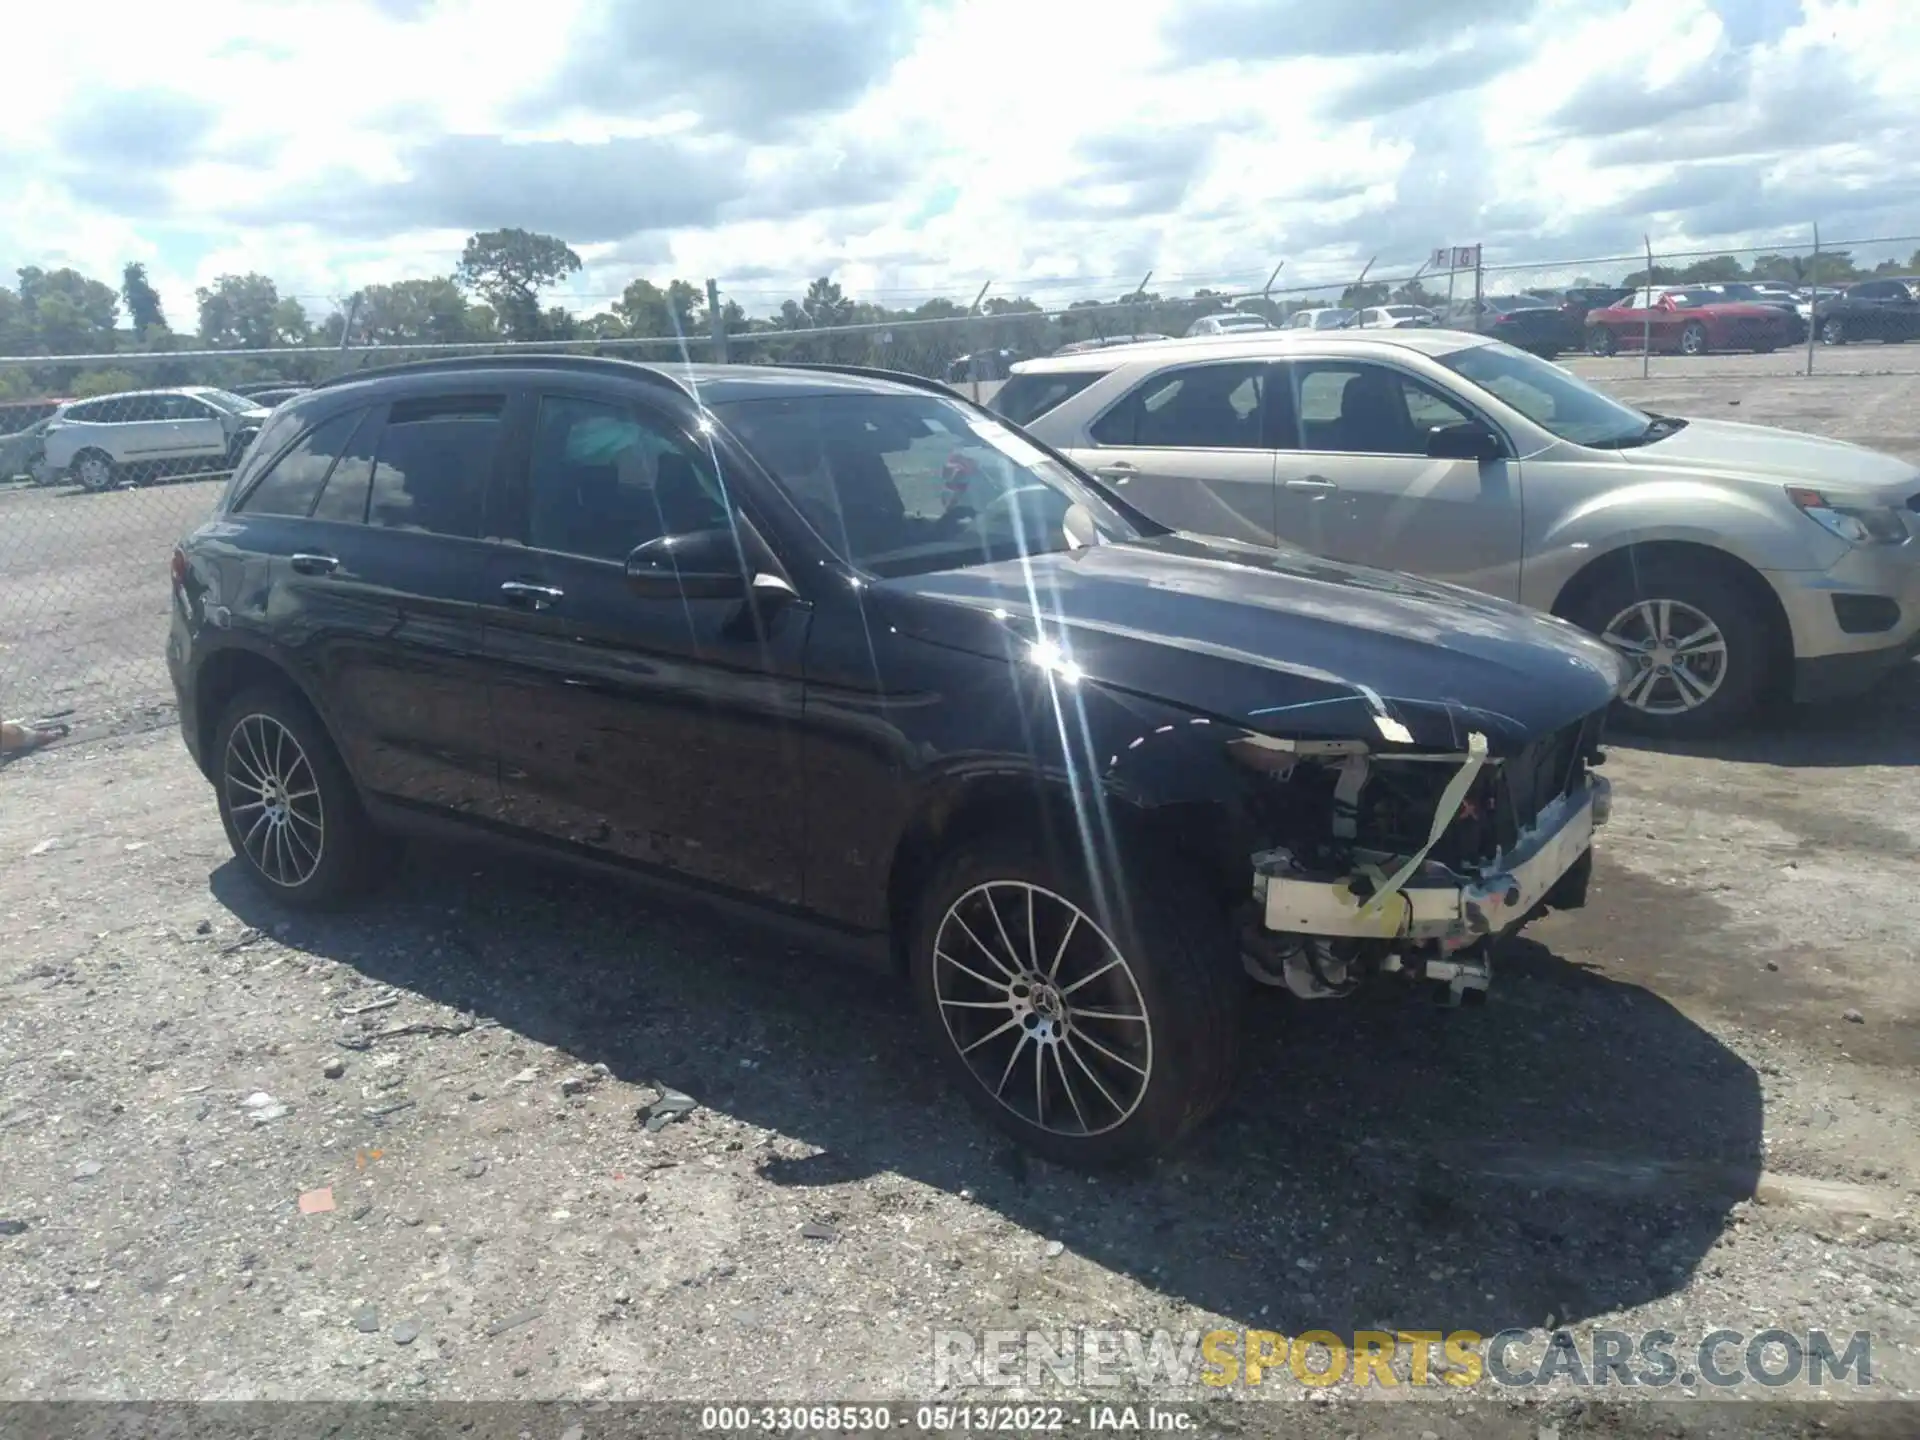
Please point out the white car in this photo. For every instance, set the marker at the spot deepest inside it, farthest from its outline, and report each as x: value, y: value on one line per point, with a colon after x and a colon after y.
x: 1327, y: 318
x: 1230, y: 322
x: 142, y: 435
x: 1396, y: 317
x: 1728, y: 562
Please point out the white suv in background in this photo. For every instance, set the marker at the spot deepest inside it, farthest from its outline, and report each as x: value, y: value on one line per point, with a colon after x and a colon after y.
x: 142, y: 435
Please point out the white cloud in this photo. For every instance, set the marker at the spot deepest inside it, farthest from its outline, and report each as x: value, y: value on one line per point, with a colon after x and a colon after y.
x: 914, y: 149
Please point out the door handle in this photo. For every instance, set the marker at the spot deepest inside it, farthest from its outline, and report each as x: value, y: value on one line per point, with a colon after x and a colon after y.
x: 534, y: 597
x: 1316, y: 484
x: 1119, y: 473
x: 310, y: 564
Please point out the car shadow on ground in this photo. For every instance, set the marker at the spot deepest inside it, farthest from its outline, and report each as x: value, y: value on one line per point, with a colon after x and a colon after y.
x: 1568, y: 1149
x: 1878, y: 728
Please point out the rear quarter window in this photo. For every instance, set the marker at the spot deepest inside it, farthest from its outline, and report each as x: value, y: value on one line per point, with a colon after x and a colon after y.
x: 293, y: 482
x: 1025, y: 398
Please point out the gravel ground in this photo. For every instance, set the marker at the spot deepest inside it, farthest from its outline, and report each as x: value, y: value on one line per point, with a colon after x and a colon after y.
x: 1694, y: 1104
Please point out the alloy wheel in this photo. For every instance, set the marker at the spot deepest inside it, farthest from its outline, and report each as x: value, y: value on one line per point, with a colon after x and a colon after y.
x: 273, y: 796
x: 1043, y: 1007
x: 1679, y: 652
x: 95, y: 473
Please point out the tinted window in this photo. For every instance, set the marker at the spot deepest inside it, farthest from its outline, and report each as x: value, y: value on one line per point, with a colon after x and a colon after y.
x: 434, y: 461
x: 1366, y: 409
x: 345, y: 497
x: 1028, y: 397
x: 603, y: 480
x: 290, y: 486
x: 903, y: 484
x: 1203, y: 407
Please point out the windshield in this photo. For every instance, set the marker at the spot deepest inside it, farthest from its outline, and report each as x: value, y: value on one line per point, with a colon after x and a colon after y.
x: 228, y: 401
x: 1332, y: 319
x: 1549, y: 396
x: 908, y: 484
x: 1240, y: 322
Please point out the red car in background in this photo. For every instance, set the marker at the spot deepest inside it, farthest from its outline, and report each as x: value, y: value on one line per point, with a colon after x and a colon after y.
x: 1691, y: 322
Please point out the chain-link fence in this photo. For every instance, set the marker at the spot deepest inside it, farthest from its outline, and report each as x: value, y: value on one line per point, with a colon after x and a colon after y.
x: 105, y: 459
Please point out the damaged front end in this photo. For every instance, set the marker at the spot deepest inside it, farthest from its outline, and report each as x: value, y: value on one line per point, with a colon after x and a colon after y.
x: 1389, y: 860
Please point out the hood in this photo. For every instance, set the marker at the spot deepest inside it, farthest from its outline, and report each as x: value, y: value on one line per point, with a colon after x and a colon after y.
x: 1782, y: 456
x: 1284, y: 643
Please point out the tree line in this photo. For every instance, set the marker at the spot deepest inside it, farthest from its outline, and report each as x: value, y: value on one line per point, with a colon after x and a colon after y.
x: 493, y: 295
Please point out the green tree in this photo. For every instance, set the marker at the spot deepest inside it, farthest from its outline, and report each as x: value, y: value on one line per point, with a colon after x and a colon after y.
x: 89, y: 383
x: 508, y: 269
x: 1358, y: 297
x: 646, y: 310
x: 825, y: 304
x: 432, y: 312
x: 247, y: 312
x: 65, y: 313
x: 1713, y: 270
x: 143, y: 301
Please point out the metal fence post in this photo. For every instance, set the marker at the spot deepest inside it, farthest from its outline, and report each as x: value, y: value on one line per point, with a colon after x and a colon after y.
x: 1813, y: 305
x: 973, y: 344
x: 716, y: 322
x: 346, y: 327
x: 1646, y: 316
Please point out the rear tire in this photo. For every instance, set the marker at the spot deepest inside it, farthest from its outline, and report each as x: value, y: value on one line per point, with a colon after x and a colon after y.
x: 290, y: 810
x: 1693, y: 339
x: 1833, y: 331
x: 93, y: 471
x: 1006, y: 1003
x: 1701, y: 694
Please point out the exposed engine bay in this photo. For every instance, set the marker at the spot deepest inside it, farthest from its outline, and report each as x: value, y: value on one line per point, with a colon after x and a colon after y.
x: 1395, y: 862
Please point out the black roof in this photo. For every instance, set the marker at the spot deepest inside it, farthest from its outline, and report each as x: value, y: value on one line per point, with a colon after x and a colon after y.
x: 710, y: 384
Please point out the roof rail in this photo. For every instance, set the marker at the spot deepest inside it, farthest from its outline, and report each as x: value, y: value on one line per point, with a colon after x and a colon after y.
x: 599, y: 364
x: 875, y: 372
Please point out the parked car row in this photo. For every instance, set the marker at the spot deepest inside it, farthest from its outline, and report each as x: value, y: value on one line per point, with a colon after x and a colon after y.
x: 1691, y: 320
x: 845, y: 648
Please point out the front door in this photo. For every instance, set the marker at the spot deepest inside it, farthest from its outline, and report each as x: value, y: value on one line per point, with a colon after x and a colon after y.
x: 1356, y: 483
x: 190, y: 431
x: 657, y: 732
x: 1189, y: 447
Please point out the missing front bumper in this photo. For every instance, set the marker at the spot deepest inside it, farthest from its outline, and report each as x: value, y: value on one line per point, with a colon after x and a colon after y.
x: 1438, y: 903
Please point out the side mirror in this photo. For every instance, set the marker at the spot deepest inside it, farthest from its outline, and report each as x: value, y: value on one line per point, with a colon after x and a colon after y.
x: 700, y: 565
x: 1468, y: 440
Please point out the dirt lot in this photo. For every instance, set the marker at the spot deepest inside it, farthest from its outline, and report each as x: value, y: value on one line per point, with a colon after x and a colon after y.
x: 1693, y: 1105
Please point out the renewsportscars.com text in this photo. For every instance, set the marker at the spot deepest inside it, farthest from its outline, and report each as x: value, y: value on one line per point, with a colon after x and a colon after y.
x: 1091, y: 1360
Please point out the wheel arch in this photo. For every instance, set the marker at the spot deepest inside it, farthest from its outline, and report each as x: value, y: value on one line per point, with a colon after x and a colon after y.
x: 1206, y: 832
x: 236, y: 667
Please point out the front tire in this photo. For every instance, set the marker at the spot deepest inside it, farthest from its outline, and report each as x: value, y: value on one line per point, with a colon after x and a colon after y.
x: 1833, y: 331
x: 1094, y: 1035
x: 1693, y: 339
x: 290, y: 810
x: 1601, y: 341
x: 1701, y: 648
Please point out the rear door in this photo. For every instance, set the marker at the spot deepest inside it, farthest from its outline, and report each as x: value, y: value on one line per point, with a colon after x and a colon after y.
x: 376, y: 523
x: 1355, y: 482
x: 189, y: 430
x: 1189, y: 445
x: 659, y: 732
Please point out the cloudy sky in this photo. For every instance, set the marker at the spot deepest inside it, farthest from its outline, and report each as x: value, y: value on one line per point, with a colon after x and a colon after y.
x: 915, y: 147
